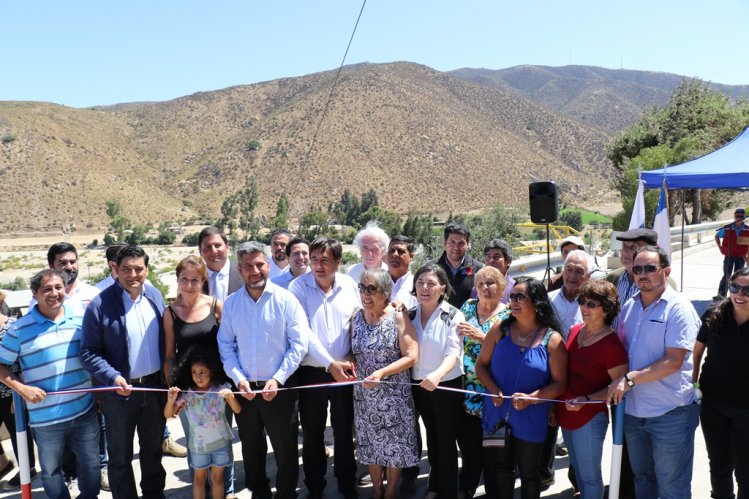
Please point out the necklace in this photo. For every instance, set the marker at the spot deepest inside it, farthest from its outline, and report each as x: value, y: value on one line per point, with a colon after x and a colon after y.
x: 524, y: 339
x: 585, y: 339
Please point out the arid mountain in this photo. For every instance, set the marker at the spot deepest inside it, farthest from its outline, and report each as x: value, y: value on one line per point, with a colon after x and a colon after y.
x: 422, y: 139
x: 608, y: 99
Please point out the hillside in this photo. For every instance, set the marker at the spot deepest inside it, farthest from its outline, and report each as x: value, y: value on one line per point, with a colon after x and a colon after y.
x: 608, y: 99
x: 422, y: 139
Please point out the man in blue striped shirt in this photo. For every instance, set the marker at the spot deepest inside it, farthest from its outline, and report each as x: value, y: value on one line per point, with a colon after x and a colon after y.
x: 46, y: 342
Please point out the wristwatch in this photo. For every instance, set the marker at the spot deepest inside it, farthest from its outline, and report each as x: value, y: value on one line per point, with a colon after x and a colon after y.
x: 628, y: 380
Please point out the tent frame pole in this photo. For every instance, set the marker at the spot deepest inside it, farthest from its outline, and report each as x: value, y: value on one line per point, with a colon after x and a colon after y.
x: 683, y: 221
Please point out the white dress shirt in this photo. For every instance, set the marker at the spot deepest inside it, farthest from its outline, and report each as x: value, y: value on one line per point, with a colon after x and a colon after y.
x: 218, y: 282
x: 402, y: 288
x: 355, y: 271
x: 567, y: 312
x: 329, y: 317
x: 437, y: 340
x: 275, y: 270
x: 264, y: 339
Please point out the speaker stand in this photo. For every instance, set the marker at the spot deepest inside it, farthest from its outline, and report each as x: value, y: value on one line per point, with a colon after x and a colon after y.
x: 547, y: 274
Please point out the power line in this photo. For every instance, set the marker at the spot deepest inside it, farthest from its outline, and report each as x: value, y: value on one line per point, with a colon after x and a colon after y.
x: 332, y: 89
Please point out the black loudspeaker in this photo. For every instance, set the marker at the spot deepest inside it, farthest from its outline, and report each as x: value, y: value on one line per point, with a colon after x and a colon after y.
x: 544, y: 203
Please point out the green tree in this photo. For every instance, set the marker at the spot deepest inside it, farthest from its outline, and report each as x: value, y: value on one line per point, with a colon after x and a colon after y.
x: 572, y: 218
x: 499, y: 222
x: 419, y: 228
x: 281, y: 220
x: 247, y: 202
x: 229, y: 212
x: 137, y: 235
x: 389, y: 221
x: 313, y: 223
x: 695, y: 121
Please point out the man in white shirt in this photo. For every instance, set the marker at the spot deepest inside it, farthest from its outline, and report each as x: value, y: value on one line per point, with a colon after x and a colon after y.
x: 399, y: 255
x: 279, y: 262
x: 262, y: 339
x: 223, y: 277
x: 297, y: 252
x: 329, y: 299
x: 63, y: 257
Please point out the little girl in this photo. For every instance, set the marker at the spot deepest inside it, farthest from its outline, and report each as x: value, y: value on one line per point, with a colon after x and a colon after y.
x: 204, y: 403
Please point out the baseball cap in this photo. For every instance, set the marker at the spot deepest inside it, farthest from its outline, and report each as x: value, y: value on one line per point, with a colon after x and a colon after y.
x: 740, y: 211
x: 572, y: 240
x: 648, y: 235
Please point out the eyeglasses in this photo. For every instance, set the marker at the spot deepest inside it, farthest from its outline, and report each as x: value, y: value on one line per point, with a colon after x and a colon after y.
x: 370, y: 289
x: 646, y: 269
x: 735, y: 288
x: 518, y: 297
x: 588, y: 303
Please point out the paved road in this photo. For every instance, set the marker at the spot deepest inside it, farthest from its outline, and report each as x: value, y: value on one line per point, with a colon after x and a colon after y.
x: 702, y: 272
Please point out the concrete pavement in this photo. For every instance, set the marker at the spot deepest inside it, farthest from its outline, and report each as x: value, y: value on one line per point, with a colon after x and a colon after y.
x: 702, y: 271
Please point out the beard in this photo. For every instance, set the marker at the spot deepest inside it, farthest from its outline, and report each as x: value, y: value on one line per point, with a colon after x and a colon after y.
x: 257, y: 285
x: 280, y: 256
x: 69, y: 276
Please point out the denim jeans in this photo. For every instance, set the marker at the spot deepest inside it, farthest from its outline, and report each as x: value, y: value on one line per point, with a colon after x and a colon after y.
x: 730, y: 265
x: 81, y: 435
x: 585, y: 446
x: 661, y: 451
x: 228, y: 469
x: 143, y: 411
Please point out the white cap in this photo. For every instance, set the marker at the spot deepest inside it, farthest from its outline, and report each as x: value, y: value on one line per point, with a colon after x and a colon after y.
x: 572, y: 240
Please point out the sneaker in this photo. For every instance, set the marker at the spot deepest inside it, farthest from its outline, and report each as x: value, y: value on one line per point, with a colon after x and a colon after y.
x: 364, y: 479
x: 104, y: 483
x: 169, y: 446
x: 72, y: 484
x: 15, y: 482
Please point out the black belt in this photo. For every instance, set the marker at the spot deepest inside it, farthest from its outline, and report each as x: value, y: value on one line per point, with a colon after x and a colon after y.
x: 254, y: 385
x: 148, y: 379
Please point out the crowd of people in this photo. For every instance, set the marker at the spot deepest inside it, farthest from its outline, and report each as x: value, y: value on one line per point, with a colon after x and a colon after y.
x: 283, y: 338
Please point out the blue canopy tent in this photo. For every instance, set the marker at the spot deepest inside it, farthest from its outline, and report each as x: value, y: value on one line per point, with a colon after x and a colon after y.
x: 724, y: 168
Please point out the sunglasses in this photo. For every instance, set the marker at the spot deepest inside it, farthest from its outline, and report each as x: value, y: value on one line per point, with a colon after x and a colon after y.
x: 370, y: 289
x: 588, y: 303
x: 735, y: 288
x: 518, y: 297
x: 645, y: 269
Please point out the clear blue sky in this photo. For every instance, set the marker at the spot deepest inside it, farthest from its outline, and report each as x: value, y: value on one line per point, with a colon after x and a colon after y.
x: 84, y: 53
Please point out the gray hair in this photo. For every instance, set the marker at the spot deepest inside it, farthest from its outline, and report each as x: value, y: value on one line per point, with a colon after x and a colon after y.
x: 372, y: 229
x: 250, y: 247
x: 580, y: 254
x: 36, y: 280
x: 382, y: 280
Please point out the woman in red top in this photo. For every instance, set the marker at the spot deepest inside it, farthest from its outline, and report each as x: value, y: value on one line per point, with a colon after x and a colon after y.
x: 596, y: 357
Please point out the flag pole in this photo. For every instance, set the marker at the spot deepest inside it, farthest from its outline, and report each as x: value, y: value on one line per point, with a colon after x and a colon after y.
x: 616, y: 450
x: 23, y: 450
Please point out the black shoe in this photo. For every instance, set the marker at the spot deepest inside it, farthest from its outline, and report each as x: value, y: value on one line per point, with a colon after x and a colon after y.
x: 407, y: 487
x: 364, y: 479
x: 15, y: 482
x: 561, y: 450
x: 349, y: 493
x: 546, y: 484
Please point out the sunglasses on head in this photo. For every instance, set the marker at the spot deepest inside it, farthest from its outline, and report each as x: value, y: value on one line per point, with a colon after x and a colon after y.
x: 645, y: 269
x: 518, y: 297
x: 587, y: 303
x: 735, y: 288
x: 370, y: 289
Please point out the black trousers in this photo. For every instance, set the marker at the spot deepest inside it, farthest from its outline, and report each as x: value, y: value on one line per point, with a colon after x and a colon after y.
x: 142, y: 412
x: 278, y: 419
x: 548, y: 454
x: 313, y: 410
x: 470, y: 441
x: 726, y: 431
x: 440, y: 411
x: 499, y: 469
x: 10, y: 423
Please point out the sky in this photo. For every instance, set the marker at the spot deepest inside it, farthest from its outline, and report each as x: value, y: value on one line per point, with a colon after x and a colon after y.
x: 85, y: 53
